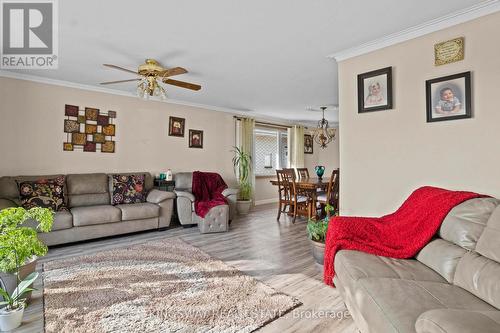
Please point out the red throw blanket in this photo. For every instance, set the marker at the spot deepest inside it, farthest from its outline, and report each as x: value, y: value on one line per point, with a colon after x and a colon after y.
x: 207, y: 189
x: 398, y: 235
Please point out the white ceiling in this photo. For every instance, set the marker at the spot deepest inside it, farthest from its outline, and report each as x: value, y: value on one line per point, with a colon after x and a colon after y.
x: 267, y: 57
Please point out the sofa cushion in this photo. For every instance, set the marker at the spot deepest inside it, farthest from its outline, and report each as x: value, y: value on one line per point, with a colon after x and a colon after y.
x: 89, y: 189
x: 83, y: 216
x: 184, y: 181
x: 8, y: 188
x: 451, y: 321
x: 354, y: 265
x: 127, y: 189
x: 388, y: 298
x: 45, y: 193
x: 489, y: 244
x: 465, y: 223
x: 480, y: 276
x: 139, y: 211
x: 62, y: 220
x: 87, y: 183
x: 442, y: 256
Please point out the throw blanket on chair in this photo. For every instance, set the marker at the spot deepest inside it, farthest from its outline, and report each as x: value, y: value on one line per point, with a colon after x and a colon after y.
x: 398, y: 235
x: 207, y: 189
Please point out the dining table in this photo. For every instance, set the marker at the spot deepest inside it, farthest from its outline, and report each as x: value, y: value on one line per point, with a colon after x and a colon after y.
x: 308, y: 186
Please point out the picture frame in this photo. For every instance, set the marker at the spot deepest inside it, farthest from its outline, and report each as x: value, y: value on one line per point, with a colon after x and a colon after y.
x: 176, y: 126
x: 449, y: 97
x: 375, y: 90
x: 195, y: 138
x: 308, y: 144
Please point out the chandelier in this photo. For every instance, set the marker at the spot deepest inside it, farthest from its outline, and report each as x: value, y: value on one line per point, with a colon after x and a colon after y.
x: 323, y: 134
x: 149, y: 86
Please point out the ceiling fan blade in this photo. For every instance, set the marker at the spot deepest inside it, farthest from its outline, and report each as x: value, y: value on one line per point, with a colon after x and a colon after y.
x: 113, y: 82
x: 120, y: 68
x: 182, y: 84
x: 174, y: 71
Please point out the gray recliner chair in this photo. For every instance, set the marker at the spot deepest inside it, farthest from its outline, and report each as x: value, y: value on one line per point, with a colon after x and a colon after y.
x: 217, y: 218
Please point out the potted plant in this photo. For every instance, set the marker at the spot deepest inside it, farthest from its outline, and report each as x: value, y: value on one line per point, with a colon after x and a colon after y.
x: 12, y: 306
x: 20, y: 244
x: 316, y: 232
x: 242, y: 163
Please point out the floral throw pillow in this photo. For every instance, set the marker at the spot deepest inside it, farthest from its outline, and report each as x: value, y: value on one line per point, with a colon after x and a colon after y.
x: 128, y: 189
x: 45, y: 193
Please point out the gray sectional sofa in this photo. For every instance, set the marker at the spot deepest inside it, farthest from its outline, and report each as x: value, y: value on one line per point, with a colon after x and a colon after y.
x: 91, y: 214
x: 453, y: 284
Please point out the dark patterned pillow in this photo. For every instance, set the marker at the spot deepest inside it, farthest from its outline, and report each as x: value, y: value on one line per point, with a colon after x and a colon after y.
x: 128, y: 189
x: 45, y: 193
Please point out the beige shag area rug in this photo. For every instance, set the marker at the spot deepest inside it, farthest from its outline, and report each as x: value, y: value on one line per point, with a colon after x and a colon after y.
x: 162, y: 286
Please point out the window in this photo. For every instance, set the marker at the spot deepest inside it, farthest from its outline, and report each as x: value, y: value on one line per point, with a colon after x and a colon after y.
x: 271, y: 151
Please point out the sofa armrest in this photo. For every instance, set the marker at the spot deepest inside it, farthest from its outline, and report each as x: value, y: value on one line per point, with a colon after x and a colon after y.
x: 157, y: 196
x: 6, y: 203
x: 184, y: 194
x: 450, y: 321
x: 230, y: 191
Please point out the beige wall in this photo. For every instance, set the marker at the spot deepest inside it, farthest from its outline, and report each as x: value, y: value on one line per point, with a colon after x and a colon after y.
x: 31, y: 133
x: 387, y: 154
x: 329, y: 157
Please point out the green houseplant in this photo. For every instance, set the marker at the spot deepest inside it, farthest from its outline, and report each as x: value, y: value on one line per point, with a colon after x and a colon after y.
x: 20, y: 244
x: 242, y: 163
x: 316, y: 232
x: 11, y: 313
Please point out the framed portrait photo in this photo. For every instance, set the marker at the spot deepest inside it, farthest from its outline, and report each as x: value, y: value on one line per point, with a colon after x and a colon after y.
x: 176, y: 126
x: 195, y: 138
x: 449, y: 97
x: 308, y: 144
x: 375, y: 90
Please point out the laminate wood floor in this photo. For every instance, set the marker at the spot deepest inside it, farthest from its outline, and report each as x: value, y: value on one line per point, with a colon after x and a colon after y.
x: 276, y: 253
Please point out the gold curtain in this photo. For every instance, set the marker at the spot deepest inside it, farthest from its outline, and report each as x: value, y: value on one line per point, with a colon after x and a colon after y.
x: 296, y: 142
x: 246, y: 143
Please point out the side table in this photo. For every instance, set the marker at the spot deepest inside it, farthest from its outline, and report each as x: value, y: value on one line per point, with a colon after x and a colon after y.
x: 167, y: 186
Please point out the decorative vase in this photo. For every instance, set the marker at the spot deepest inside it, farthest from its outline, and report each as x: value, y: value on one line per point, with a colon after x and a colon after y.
x: 243, y: 206
x: 320, y: 170
x: 8, y: 281
x: 318, y: 252
x: 11, y: 319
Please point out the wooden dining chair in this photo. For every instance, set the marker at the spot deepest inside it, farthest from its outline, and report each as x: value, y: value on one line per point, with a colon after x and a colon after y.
x: 303, y: 172
x: 331, y: 196
x: 290, y: 202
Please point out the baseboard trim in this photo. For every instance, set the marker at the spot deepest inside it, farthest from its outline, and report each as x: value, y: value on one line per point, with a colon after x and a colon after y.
x: 266, y: 201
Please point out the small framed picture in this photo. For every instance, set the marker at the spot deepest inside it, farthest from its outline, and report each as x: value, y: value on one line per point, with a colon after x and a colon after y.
x: 375, y: 90
x: 176, y: 126
x: 195, y: 138
x: 449, y: 97
x: 308, y: 144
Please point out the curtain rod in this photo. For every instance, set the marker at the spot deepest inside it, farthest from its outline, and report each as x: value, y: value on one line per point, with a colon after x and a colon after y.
x: 265, y: 124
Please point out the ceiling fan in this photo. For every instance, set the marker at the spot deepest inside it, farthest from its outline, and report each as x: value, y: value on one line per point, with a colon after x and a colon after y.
x: 151, y: 73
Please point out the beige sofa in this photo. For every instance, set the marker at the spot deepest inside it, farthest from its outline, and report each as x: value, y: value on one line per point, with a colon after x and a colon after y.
x: 453, y: 284
x: 91, y: 214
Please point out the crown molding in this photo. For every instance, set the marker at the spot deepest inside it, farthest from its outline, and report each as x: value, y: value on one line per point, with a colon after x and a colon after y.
x: 461, y: 16
x: 88, y: 87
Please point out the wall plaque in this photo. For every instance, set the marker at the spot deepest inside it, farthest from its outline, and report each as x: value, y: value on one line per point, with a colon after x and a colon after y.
x: 449, y: 51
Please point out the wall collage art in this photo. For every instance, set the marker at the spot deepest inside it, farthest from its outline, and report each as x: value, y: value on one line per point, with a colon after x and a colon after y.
x: 89, y: 129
